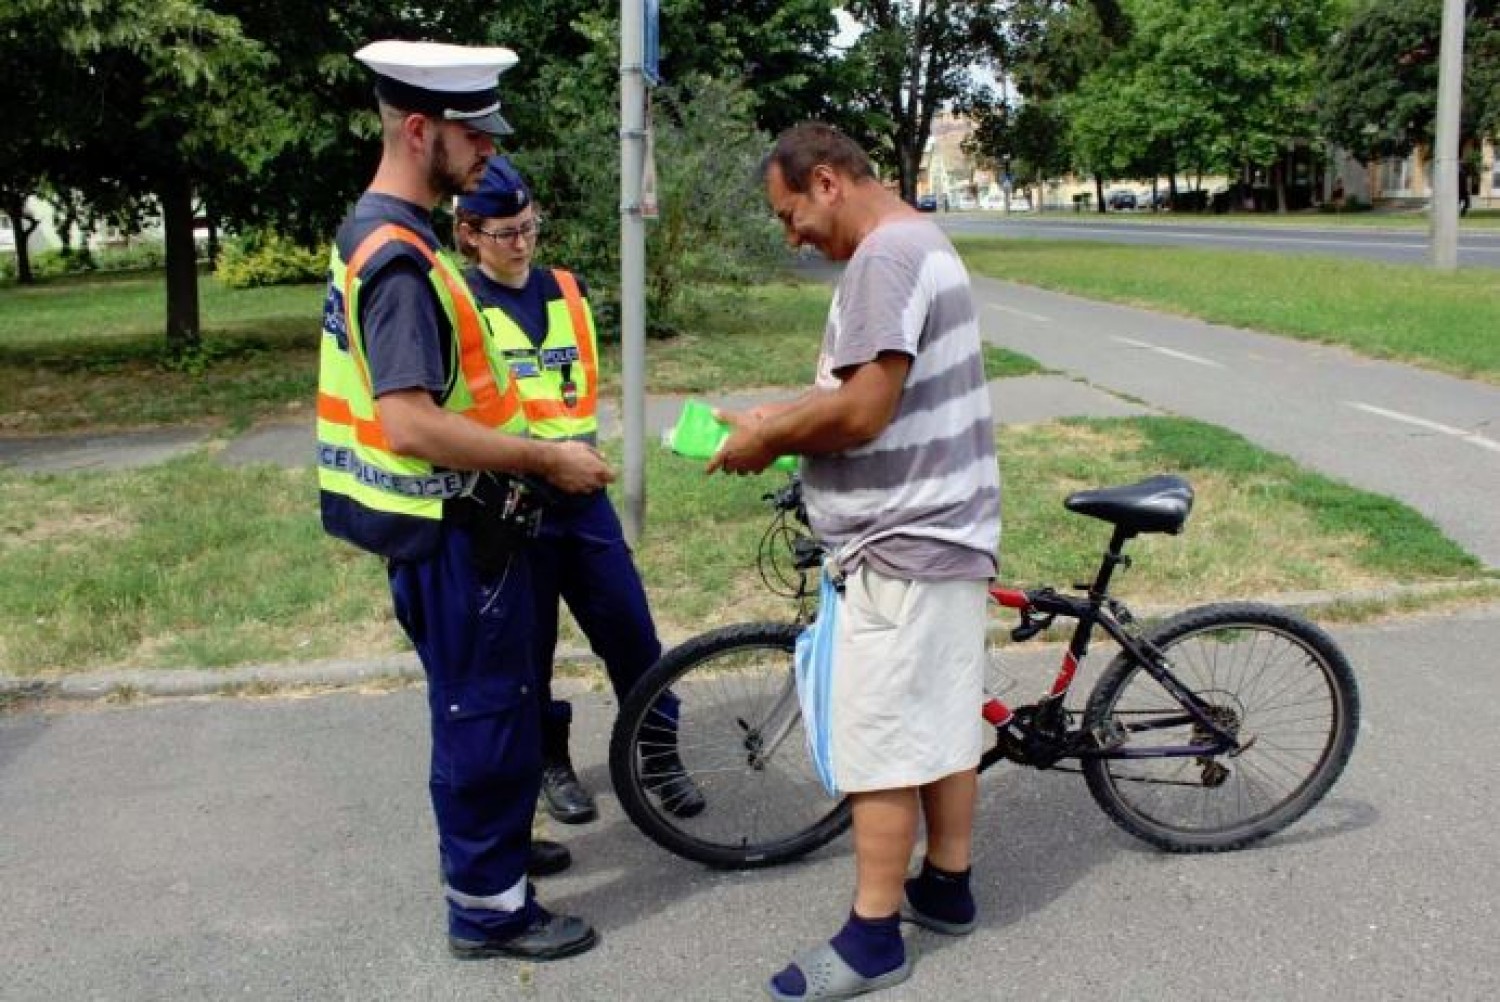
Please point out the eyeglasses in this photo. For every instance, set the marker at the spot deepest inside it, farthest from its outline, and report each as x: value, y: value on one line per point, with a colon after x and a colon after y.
x: 510, y: 234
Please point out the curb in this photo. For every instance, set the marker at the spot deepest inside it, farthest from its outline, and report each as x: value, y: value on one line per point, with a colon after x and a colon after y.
x: 405, y: 668
x: 187, y: 682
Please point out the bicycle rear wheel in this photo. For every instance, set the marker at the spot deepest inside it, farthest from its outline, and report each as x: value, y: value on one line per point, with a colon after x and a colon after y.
x: 1277, y: 682
x: 739, y: 737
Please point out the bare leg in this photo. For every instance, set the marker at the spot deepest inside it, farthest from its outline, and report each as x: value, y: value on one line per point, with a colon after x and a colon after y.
x: 885, y: 831
x: 948, y: 806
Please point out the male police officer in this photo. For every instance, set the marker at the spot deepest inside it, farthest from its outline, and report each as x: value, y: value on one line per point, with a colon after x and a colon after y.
x: 541, y: 326
x: 411, y: 415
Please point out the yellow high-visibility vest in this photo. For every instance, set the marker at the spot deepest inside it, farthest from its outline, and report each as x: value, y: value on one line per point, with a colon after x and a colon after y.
x: 372, y: 496
x: 557, y: 381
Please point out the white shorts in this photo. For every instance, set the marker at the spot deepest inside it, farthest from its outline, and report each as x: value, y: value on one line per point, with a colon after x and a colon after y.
x: 907, y: 681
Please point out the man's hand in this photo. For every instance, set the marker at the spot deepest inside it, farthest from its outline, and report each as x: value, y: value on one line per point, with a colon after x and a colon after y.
x: 743, y: 451
x: 575, y: 467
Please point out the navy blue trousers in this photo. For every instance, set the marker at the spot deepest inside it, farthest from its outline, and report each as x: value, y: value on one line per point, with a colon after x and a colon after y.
x: 475, y: 637
x: 581, y: 558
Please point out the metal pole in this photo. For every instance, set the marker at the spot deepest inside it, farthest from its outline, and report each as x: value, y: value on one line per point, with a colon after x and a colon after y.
x: 633, y: 264
x: 1445, y: 144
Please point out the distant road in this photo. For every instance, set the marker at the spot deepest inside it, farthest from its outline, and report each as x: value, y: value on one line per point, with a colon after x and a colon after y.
x: 1479, y: 248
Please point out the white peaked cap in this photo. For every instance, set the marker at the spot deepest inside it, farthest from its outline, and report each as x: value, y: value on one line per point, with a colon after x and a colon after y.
x: 455, y: 82
x: 438, y: 66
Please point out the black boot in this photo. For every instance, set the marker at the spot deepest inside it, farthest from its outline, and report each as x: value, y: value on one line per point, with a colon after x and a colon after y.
x: 664, y: 775
x: 547, y: 858
x: 563, y: 795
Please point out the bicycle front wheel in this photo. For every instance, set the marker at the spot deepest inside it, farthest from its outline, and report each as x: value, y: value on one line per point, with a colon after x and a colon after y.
x: 720, y: 712
x: 1275, y: 681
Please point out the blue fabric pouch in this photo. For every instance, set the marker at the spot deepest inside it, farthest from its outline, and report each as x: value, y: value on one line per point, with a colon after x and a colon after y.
x: 814, y: 674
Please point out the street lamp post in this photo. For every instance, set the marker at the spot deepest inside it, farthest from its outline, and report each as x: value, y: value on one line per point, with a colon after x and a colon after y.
x: 1444, y: 216
x: 633, y: 265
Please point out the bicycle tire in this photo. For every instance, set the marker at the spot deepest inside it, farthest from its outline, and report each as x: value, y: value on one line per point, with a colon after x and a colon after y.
x: 1278, y: 681
x: 758, y: 813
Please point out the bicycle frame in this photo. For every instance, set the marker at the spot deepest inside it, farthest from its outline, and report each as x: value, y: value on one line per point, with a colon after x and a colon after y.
x: 1044, y: 736
x: 1041, y: 725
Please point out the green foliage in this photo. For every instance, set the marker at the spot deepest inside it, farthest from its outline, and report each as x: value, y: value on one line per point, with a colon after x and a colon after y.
x: 137, y: 256
x: 712, y: 226
x: 910, y: 61
x: 263, y: 258
x: 1379, y: 83
x: 51, y: 263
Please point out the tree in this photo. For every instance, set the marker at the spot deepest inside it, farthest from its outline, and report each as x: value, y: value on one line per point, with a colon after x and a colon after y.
x: 913, y: 58
x: 1379, y: 85
x: 166, y: 84
x: 1027, y: 140
x: 27, y: 112
x: 1218, y: 84
x: 1048, y: 48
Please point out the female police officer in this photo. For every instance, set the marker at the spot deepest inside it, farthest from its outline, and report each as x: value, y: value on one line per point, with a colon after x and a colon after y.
x: 543, y: 331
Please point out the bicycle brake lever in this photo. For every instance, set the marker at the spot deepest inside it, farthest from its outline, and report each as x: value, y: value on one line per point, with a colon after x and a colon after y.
x: 1029, y: 627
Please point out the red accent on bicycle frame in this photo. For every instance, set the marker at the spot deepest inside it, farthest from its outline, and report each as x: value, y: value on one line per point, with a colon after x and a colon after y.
x: 1011, y: 598
x: 1065, y: 676
x: 996, y: 712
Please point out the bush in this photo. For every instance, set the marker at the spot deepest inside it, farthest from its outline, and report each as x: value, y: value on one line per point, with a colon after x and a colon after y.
x: 257, y: 259
x: 133, y: 257
x: 51, y: 263
x: 713, y: 225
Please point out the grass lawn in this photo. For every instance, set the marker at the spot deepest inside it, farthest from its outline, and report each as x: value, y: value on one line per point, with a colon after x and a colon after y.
x: 192, y: 564
x: 195, y: 564
x: 87, y: 353
x: 1477, y: 219
x: 1446, y: 321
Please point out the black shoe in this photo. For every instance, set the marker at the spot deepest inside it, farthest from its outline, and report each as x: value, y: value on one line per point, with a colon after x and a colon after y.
x: 550, y: 937
x: 668, y: 779
x: 547, y: 858
x: 564, y: 796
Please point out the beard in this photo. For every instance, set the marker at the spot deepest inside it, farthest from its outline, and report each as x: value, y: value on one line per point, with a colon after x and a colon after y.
x: 442, y: 177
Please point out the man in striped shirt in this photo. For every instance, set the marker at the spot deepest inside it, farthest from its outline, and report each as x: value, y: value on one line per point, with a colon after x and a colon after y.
x: 902, y: 485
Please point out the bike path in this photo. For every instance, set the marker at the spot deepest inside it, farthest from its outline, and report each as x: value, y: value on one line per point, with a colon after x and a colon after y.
x: 281, y: 849
x: 1020, y: 400
x: 1427, y: 439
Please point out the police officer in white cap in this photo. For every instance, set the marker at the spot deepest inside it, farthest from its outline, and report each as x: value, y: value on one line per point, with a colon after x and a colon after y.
x: 413, y: 416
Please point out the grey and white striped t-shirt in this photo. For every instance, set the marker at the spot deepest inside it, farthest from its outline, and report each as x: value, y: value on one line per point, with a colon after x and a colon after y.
x: 922, y: 500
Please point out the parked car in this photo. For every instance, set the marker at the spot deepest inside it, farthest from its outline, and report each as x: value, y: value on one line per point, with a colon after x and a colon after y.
x: 1019, y: 202
x: 927, y: 203
x: 1120, y: 200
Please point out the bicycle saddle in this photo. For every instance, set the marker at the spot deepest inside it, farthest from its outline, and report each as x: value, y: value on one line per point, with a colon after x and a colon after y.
x: 1156, y: 504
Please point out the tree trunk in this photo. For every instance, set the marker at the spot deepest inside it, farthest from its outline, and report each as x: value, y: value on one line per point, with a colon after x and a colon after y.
x: 1099, y: 192
x: 908, y: 167
x: 183, y: 331
x: 15, y: 211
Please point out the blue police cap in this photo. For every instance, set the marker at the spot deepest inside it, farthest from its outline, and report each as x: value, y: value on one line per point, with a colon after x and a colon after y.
x: 500, y: 193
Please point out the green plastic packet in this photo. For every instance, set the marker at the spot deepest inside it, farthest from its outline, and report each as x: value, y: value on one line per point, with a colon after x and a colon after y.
x: 698, y: 434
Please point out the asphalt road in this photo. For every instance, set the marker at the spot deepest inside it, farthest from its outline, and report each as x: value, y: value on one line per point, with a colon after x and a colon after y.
x: 1477, y: 247
x: 1433, y: 441
x: 281, y: 849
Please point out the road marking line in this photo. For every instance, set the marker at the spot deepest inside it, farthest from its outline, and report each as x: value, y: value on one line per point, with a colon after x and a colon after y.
x: 1020, y: 313
x: 1170, y: 352
x: 1472, y: 437
x: 1188, y: 235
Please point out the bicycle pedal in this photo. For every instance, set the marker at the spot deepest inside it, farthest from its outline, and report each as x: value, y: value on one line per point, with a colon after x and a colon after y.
x: 1109, y: 736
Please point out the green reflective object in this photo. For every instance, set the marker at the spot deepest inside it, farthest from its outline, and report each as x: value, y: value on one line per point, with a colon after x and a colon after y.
x: 698, y: 435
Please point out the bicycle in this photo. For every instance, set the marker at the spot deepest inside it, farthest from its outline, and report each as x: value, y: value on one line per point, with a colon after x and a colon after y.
x: 1207, y: 732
